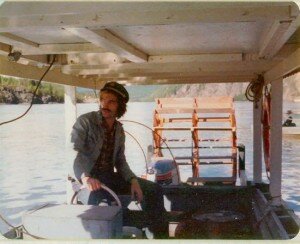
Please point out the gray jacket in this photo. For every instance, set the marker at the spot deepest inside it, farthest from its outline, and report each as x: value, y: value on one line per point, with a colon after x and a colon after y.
x: 87, y: 139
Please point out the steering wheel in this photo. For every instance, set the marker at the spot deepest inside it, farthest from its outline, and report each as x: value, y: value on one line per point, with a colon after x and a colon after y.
x: 104, y: 187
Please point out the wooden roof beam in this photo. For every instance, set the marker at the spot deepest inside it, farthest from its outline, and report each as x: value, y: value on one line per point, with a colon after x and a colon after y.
x: 152, y: 68
x: 16, y: 40
x: 273, y: 40
x: 110, y: 42
x: 58, y: 8
x: 61, y: 59
x: 135, y: 14
x: 17, y: 43
x: 278, y: 35
x: 68, y: 48
x: 94, y: 58
x: 31, y: 72
x: 5, y: 48
x: 111, y: 58
x: 69, y: 59
x: 123, y: 76
x: 196, y: 58
x: 182, y: 80
x: 191, y: 80
x: 284, y: 68
x: 170, y: 75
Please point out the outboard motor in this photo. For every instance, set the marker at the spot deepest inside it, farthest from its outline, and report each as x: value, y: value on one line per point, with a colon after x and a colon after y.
x: 166, y: 172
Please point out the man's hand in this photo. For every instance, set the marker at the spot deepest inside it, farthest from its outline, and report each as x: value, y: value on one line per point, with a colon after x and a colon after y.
x: 91, y: 183
x: 136, y: 190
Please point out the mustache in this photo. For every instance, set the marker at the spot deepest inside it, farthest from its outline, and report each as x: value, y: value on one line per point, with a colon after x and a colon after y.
x: 105, y: 109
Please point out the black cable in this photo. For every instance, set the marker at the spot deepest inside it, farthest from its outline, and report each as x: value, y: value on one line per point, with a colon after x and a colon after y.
x: 34, y: 95
x: 140, y: 148
x: 19, y: 117
x: 158, y: 136
x: 152, y: 131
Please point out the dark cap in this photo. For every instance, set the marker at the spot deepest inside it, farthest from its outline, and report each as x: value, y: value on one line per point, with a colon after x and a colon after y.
x: 116, y: 88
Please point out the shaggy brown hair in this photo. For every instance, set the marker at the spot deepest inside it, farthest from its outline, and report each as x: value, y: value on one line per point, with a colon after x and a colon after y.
x: 122, y: 105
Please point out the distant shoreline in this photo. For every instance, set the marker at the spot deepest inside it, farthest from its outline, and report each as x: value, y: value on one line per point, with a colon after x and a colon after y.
x: 135, y: 101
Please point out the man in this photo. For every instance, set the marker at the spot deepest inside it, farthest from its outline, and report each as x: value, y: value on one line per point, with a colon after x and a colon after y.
x: 289, y: 122
x: 99, y: 140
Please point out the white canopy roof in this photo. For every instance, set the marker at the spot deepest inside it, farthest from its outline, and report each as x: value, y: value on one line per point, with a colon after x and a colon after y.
x: 150, y: 42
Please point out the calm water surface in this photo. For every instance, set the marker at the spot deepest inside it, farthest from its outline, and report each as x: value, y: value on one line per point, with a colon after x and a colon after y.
x: 34, y: 159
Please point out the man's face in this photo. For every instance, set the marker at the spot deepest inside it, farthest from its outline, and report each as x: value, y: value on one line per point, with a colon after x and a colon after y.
x: 108, y: 104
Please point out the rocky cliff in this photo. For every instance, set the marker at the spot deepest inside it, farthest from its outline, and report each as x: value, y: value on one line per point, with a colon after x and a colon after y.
x: 205, y: 90
x: 291, y: 89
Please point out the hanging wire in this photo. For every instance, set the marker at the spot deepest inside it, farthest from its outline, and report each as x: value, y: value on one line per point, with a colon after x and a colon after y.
x: 140, y: 148
x: 174, y: 161
x: 34, y: 94
x: 139, y: 123
x: 19, y: 117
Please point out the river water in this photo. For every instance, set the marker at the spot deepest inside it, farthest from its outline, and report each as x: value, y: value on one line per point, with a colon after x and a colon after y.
x: 33, y: 155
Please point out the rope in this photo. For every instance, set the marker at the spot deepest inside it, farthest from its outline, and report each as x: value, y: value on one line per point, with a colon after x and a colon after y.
x: 6, y: 222
x: 254, y: 90
x: 34, y: 95
x: 18, y: 229
x: 24, y: 231
x: 276, y: 196
x: 266, y: 212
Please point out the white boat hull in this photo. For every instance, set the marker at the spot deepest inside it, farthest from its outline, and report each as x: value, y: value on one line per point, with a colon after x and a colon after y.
x: 291, y: 131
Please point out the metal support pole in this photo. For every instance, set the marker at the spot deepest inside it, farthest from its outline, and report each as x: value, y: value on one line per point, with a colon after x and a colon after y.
x: 276, y: 141
x: 257, y: 143
x: 70, y: 118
